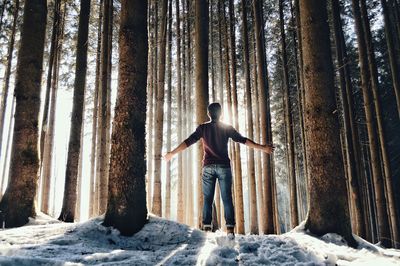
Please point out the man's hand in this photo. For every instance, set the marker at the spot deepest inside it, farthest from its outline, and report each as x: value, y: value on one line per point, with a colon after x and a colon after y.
x: 268, y: 148
x: 168, y: 156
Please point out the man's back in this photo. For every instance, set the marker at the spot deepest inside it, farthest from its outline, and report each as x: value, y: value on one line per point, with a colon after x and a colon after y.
x: 215, y: 136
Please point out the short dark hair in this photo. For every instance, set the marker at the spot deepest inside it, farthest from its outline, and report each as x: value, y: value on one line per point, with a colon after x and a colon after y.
x: 214, y: 111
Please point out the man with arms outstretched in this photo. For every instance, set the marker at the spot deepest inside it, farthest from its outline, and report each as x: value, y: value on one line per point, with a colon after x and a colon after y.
x: 216, y: 163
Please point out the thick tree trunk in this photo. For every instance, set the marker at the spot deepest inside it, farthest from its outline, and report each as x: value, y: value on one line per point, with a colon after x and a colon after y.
x: 17, y: 203
x: 352, y: 151
x: 264, y: 125
x: 93, y: 199
x: 159, y: 115
x: 126, y: 210
x: 327, y: 214
x: 294, y: 213
x: 74, y: 146
x: 391, y: 208
x: 201, y: 79
x: 7, y: 74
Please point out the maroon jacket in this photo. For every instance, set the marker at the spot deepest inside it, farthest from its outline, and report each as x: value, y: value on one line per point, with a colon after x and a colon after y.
x: 215, y: 136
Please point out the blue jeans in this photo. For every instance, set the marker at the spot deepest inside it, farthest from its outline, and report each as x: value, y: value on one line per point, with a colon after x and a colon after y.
x: 223, y: 173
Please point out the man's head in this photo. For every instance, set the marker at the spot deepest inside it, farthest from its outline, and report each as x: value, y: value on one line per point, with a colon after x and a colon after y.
x: 214, y: 111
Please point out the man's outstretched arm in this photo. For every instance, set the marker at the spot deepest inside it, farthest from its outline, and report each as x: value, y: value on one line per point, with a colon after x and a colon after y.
x: 267, y: 148
x: 168, y: 156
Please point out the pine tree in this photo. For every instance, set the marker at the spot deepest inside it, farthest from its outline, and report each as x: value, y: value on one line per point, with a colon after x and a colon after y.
x: 126, y: 210
x: 326, y: 213
x: 71, y: 176
x: 201, y: 77
x: 294, y: 213
x: 17, y: 203
x: 377, y: 173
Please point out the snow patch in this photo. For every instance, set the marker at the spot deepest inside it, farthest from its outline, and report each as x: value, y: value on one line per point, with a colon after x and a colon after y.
x: 46, y: 241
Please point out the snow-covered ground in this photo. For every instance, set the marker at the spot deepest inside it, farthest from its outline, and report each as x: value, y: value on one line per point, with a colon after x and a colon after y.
x: 45, y: 241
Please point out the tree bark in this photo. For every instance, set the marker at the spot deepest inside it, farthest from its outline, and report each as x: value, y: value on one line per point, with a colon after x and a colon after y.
x: 126, y: 210
x: 159, y: 116
x: 264, y: 110
x: 294, y: 213
x: 47, y: 159
x: 104, y: 73
x: 249, y: 106
x: 180, y: 106
x: 327, y: 214
x: 93, y: 199
x: 151, y: 89
x: 201, y: 79
x: 238, y: 165
x: 169, y: 114
x: 74, y: 146
x: 17, y: 203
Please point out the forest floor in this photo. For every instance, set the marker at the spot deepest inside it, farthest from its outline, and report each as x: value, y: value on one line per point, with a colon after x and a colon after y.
x: 45, y: 241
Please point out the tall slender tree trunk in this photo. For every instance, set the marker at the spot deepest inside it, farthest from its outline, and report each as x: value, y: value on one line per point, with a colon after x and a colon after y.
x: 327, y: 213
x: 302, y: 180
x: 201, y: 80
x: 150, y: 102
x: 238, y: 175
x: 352, y: 152
x: 294, y: 213
x: 49, y: 132
x: 93, y: 199
x: 189, y: 115
x: 53, y: 47
x: 7, y: 74
x: 126, y: 210
x: 169, y: 114
x: 159, y: 115
x: 74, y: 146
x: 300, y: 95
x: 106, y: 158
x: 104, y: 73
x: 249, y: 107
x: 257, y: 104
x: 391, y: 208
x: 17, y: 203
x: 264, y: 125
x: 180, y: 106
